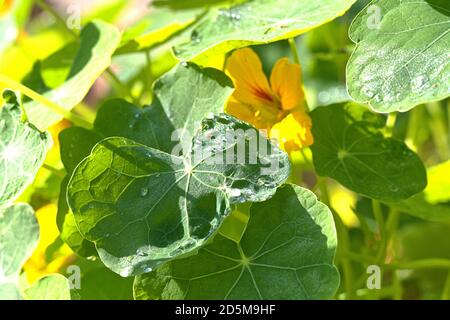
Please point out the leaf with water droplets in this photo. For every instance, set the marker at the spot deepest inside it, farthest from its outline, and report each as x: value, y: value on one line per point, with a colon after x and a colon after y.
x: 19, y: 236
x: 286, y: 252
x: 399, y: 61
x: 183, y: 97
x: 257, y: 22
x: 142, y: 206
x: 22, y: 149
x: 349, y: 147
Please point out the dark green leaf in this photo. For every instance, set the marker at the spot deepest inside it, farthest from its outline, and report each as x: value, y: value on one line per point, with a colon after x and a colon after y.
x: 142, y: 206
x: 286, y: 252
x: 349, y: 147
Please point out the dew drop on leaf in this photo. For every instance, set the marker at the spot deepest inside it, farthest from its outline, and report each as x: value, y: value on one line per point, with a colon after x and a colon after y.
x: 144, y: 192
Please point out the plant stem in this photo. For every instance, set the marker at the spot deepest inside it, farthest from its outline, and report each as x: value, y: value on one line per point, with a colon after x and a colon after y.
x: 59, y: 20
x: 378, y: 214
x: 439, y: 130
x: 414, y: 121
x: 446, y: 290
x: 420, y: 264
x: 294, y: 50
x: 54, y: 170
x: 121, y: 86
x: 390, y: 124
x: 79, y: 121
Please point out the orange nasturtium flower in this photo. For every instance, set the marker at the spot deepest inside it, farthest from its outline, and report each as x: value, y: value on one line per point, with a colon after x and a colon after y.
x: 278, y: 106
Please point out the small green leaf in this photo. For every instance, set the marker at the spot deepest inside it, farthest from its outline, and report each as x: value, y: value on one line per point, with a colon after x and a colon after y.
x: 142, y: 206
x: 286, y: 252
x: 51, y: 287
x: 349, y: 147
x: 22, y: 149
x: 98, y: 40
x: 19, y: 236
x: 400, y: 62
x: 258, y: 22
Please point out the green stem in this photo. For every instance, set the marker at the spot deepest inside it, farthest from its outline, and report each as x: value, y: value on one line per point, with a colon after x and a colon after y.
x: 378, y: 214
x: 420, y: 264
x: 390, y: 123
x: 121, y: 86
x: 294, y: 50
x: 439, y: 130
x: 414, y: 123
x: 54, y: 170
x: 59, y: 20
x: 79, y: 121
x: 446, y: 290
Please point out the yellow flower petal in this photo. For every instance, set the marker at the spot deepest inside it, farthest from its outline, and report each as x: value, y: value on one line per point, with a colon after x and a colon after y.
x: 250, y: 82
x: 293, y: 132
x: 286, y: 81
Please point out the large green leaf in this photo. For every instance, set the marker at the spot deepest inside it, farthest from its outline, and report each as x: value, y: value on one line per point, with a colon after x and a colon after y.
x: 286, y: 252
x: 257, y: 22
x: 19, y: 236
x: 402, y: 61
x: 98, y: 40
x: 349, y: 147
x: 51, y: 287
x: 22, y: 149
x: 142, y: 206
x: 183, y: 97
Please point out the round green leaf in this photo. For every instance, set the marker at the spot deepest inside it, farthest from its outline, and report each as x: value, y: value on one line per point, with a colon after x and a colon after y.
x: 22, y: 149
x: 286, y: 252
x: 142, y: 206
x: 51, y: 287
x: 349, y: 147
x: 400, y: 62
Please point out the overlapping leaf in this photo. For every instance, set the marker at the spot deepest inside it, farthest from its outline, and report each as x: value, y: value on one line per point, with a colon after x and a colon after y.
x: 401, y: 59
x: 286, y: 252
x: 97, y: 44
x: 183, y: 97
x: 22, y: 149
x: 19, y: 235
x: 256, y: 22
x: 142, y: 206
x: 349, y: 147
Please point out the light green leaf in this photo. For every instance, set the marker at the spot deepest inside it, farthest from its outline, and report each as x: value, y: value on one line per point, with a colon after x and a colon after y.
x: 399, y: 61
x: 19, y: 236
x: 157, y: 27
x: 22, y: 149
x: 142, y: 206
x: 51, y: 287
x: 258, y: 22
x: 349, y: 147
x: 286, y: 252
x: 97, y: 44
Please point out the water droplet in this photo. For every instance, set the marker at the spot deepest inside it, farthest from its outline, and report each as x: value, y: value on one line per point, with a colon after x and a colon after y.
x: 137, y: 115
x: 92, y: 258
x: 144, y: 192
x: 147, y: 269
x: 141, y: 253
x: 184, y: 63
x: 125, y: 272
x: 234, y: 192
x: 394, y: 188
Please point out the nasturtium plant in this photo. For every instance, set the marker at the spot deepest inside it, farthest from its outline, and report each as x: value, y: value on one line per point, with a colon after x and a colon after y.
x: 399, y: 61
x: 286, y: 252
x: 22, y: 149
x: 350, y: 148
x: 142, y: 206
x: 227, y: 150
x: 257, y: 22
